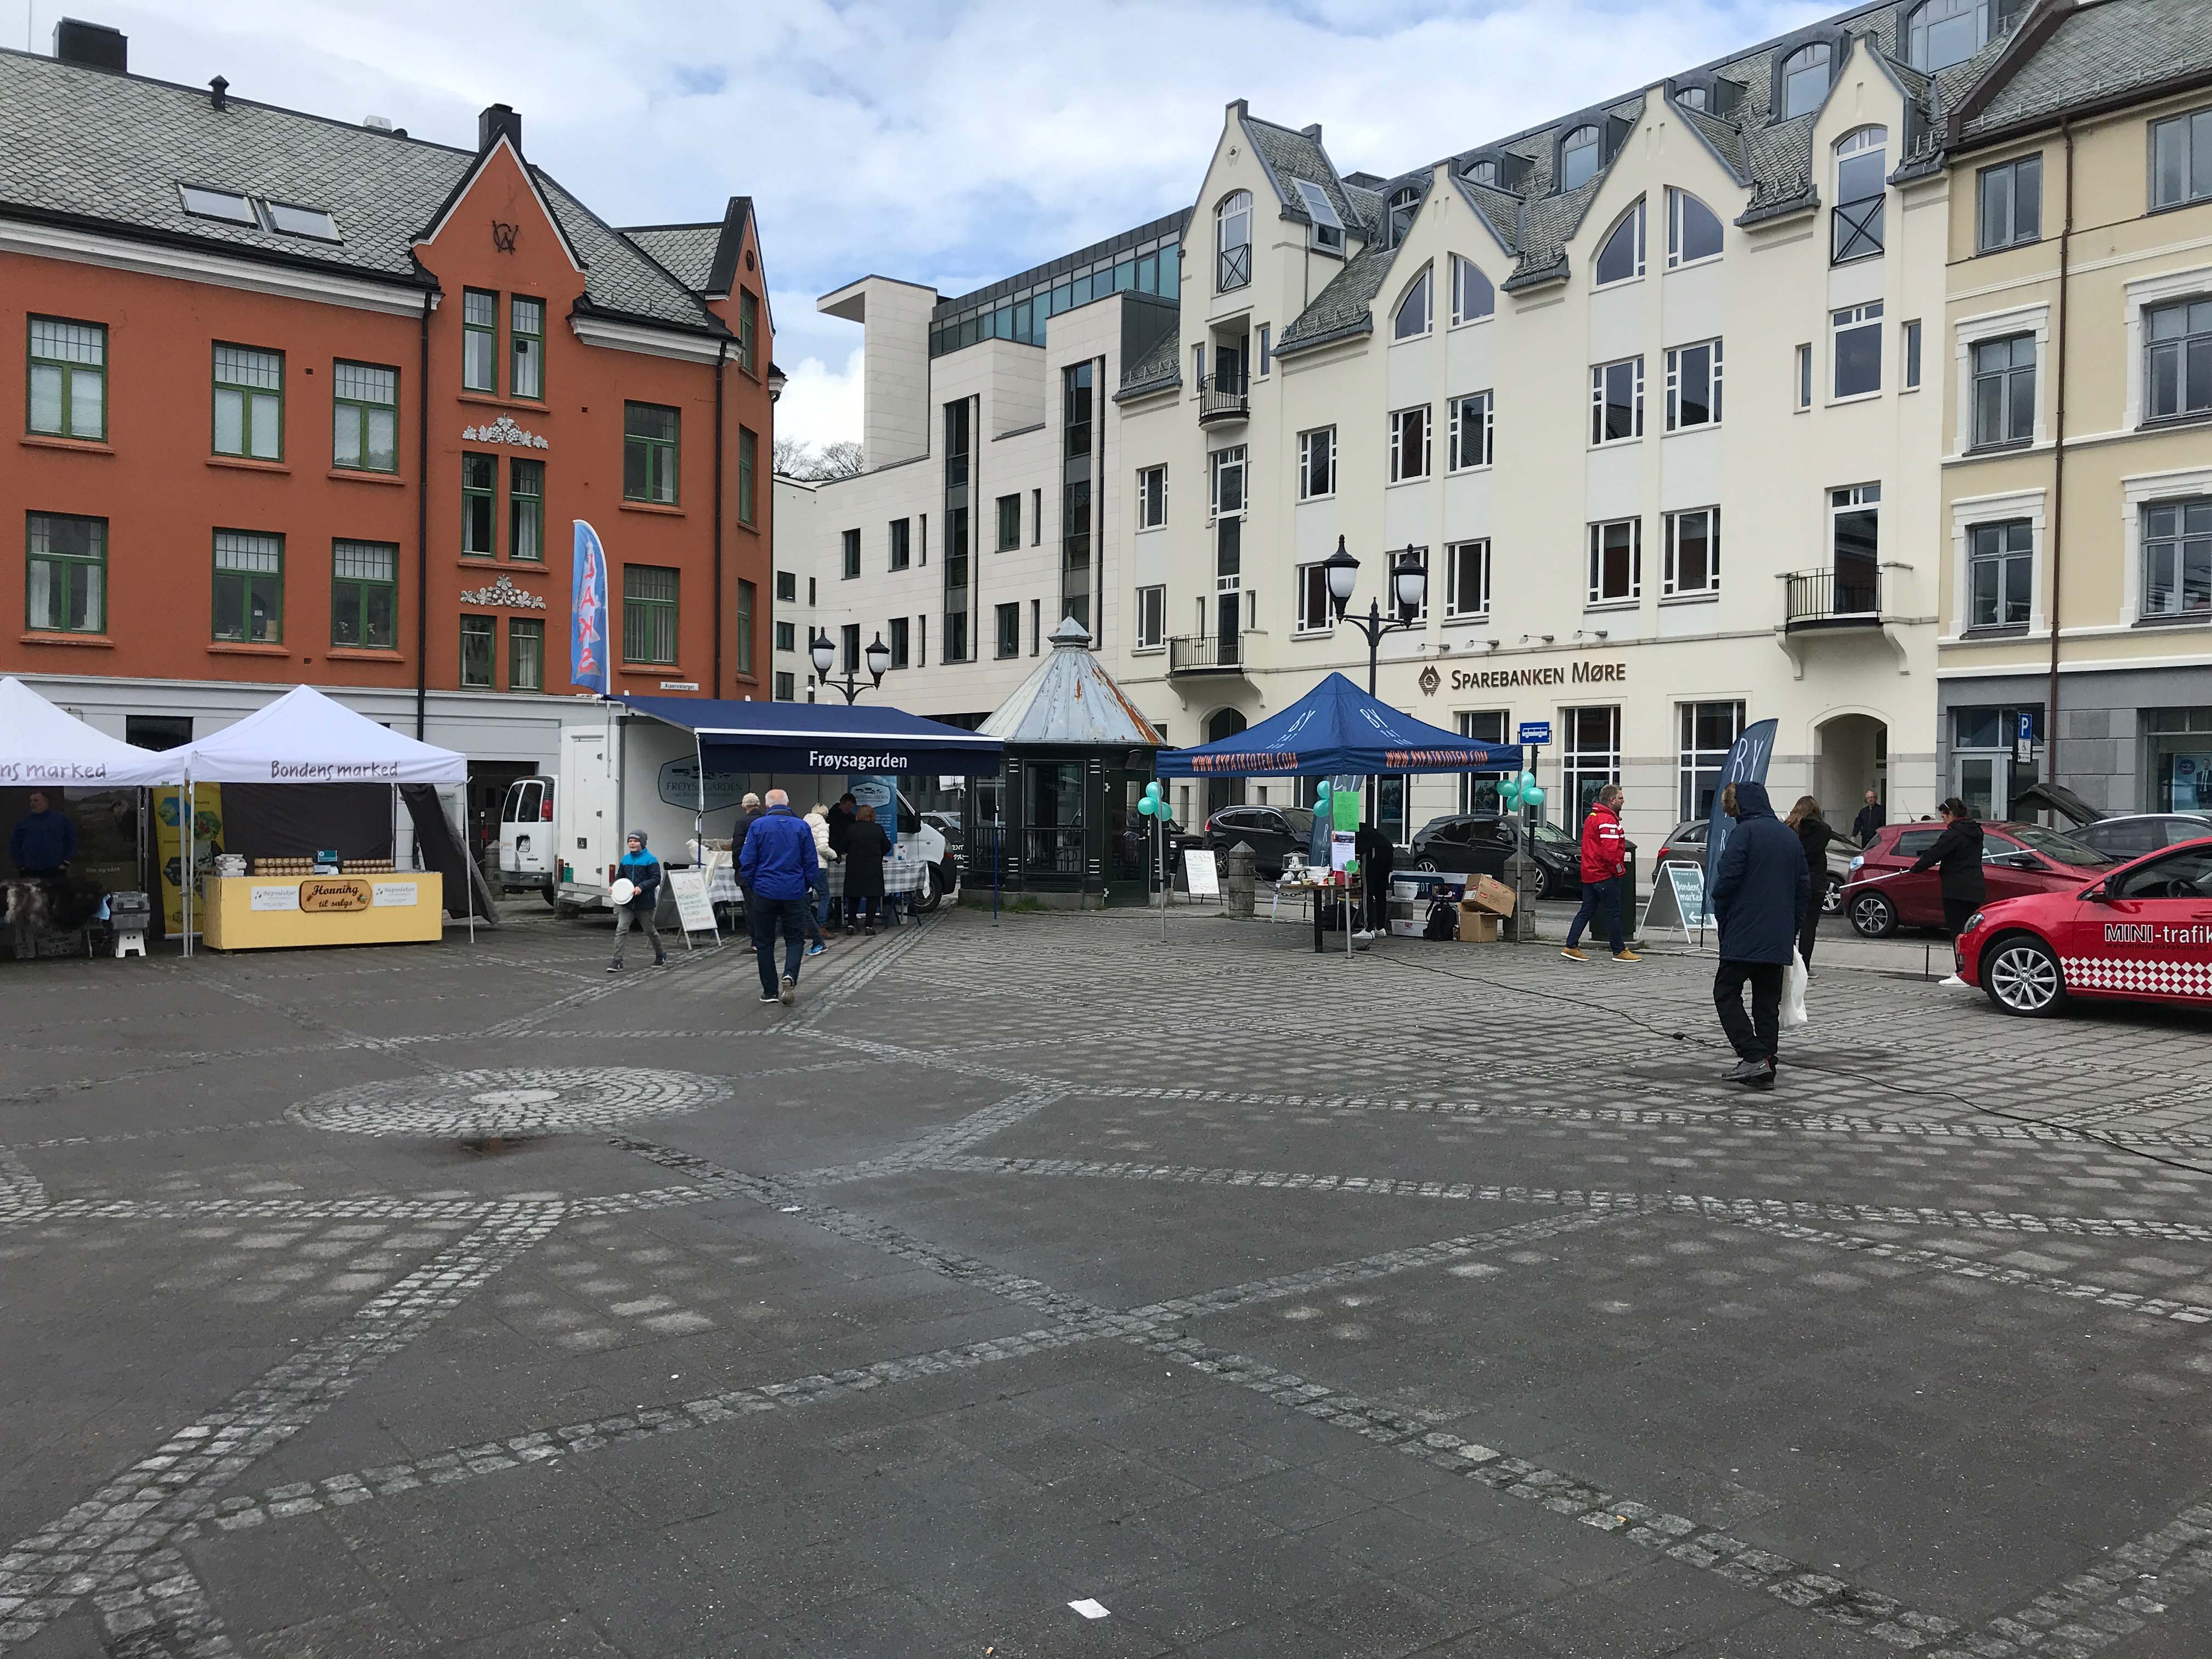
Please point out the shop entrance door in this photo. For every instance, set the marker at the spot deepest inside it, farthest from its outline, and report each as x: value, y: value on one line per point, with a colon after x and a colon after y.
x: 1127, y: 835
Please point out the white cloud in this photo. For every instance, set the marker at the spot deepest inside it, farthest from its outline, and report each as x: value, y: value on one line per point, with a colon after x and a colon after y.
x: 820, y: 405
x: 948, y: 141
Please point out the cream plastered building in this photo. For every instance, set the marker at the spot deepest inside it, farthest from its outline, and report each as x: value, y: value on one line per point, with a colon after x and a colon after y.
x: 2081, y: 235
x: 1653, y: 390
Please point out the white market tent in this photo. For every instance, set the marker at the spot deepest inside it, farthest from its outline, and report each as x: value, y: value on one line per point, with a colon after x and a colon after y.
x: 304, y: 737
x: 41, y: 745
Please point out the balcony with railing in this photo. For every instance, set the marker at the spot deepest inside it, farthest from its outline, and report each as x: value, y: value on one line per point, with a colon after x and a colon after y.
x: 1224, y: 395
x: 1845, y: 597
x: 1208, y: 654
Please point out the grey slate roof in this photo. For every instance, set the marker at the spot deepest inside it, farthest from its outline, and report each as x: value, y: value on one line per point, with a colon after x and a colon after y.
x: 106, y: 151
x: 684, y: 251
x: 1156, y: 371
x: 1344, y: 307
x: 2102, y: 52
x: 1289, y: 154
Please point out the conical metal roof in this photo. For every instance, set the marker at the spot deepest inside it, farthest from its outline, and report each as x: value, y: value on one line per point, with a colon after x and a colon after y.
x: 1070, y: 698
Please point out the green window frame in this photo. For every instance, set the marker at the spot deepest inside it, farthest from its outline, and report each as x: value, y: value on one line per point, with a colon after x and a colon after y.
x: 248, y: 606
x: 526, y: 354
x: 748, y: 596
x: 526, y: 653
x: 364, y: 417
x: 748, y: 328
x: 64, y: 573
x: 479, y: 340
x: 526, y: 510
x: 365, y: 595
x: 479, y: 652
x: 249, y: 402
x: 747, y: 471
x: 651, y: 432
x: 65, y: 395
x: 649, y: 597
x: 479, y: 505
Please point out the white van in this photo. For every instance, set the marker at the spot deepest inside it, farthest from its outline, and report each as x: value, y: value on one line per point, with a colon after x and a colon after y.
x: 636, y: 773
x: 526, y: 838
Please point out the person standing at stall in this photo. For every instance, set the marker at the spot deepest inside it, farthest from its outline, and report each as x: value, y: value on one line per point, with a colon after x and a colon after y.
x: 840, y: 818
x: 818, y: 889
x: 43, y: 842
x: 779, y: 871
x: 867, y: 846
x: 1957, y: 852
x: 1759, y: 897
x: 642, y: 870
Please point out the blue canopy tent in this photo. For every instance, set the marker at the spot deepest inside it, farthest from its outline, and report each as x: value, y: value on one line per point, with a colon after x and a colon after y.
x: 1337, y: 730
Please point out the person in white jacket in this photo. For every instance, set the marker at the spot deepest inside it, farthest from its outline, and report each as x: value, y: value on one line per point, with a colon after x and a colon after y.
x: 817, y: 820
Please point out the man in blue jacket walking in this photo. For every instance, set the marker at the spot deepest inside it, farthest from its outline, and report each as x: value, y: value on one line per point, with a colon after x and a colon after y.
x: 1760, y: 893
x: 777, y: 868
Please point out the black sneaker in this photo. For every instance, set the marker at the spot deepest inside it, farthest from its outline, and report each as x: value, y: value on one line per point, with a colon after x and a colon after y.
x: 614, y: 967
x: 660, y: 962
x: 772, y: 999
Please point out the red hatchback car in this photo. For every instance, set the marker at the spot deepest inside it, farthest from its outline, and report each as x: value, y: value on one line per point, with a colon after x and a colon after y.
x: 2140, y: 932
x: 2017, y: 859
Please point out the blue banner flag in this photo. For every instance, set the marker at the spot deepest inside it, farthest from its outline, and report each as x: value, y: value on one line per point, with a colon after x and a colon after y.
x: 588, y: 613
x: 1747, y: 764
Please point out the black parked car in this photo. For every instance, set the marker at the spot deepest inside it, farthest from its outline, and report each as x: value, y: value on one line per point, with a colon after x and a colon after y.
x: 1271, y: 832
x: 1479, y: 844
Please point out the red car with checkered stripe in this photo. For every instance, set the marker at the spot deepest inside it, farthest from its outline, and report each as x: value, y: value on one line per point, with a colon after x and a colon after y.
x: 2141, y: 932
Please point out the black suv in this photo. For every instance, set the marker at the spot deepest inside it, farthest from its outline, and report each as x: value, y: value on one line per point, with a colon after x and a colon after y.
x: 1478, y: 844
x: 1271, y: 832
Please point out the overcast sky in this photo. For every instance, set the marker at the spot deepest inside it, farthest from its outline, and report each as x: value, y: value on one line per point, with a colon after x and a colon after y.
x: 945, y: 144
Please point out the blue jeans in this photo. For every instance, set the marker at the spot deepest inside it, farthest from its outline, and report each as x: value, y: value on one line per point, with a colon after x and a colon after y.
x: 820, y: 887
x: 766, y: 915
x: 1596, y: 896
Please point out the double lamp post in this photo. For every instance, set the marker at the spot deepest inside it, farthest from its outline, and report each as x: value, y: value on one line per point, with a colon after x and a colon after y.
x: 1409, y: 585
x: 823, y: 651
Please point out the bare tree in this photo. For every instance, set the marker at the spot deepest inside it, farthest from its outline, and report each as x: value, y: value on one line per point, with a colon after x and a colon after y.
x: 794, y: 459
x: 842, y: 460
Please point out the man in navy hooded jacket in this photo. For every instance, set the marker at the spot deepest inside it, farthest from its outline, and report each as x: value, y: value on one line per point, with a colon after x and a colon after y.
x: 777, y: 868
x: 1760, y: 893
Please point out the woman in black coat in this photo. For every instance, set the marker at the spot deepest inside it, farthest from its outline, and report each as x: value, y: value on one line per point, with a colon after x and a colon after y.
x: 1813, y: 834
x: 1957, y: 852
x: 867, y: 846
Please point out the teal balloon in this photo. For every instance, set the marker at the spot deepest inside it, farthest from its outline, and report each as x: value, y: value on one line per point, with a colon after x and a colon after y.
x: 1323, y: 790
x: 1527, y: 782
x: 1508, y: 791
x: 1153, y: 791
x: 1144, y: 807
x: 1533, y: 795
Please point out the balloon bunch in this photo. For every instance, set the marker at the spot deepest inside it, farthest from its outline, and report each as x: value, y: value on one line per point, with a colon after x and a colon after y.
x: 1151, y: 805
x: 1524, y: 790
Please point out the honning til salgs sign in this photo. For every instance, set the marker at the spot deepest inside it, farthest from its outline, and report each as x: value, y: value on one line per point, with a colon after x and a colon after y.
x: 329, y: 893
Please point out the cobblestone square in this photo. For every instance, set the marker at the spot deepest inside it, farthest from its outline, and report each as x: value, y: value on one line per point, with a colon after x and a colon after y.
x: 1435, y: 1301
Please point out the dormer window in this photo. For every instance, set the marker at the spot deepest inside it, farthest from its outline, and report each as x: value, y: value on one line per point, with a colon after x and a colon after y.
x: 1804, y: 79
x: 1578, y: 158
x: 1484, y: 173
x: 1404, y: 205
x: 1942, y: 32
x: 222, y: 204
x: 1621, y: 257
x: 1328, y: 226
x: 1232, y: 242
x: 1691, y: 98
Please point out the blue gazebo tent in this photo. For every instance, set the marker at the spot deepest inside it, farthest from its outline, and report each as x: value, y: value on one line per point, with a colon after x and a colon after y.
x: 1337, y: 730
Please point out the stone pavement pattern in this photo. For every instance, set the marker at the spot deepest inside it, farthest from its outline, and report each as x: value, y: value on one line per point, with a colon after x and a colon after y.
x: 1435, y: 1301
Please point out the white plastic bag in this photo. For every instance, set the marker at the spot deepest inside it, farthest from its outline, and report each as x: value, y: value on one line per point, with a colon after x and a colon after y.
x: 1793, y: 993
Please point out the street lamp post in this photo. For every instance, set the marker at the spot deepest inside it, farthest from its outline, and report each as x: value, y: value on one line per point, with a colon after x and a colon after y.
x: 824, y: 652
x: 1409, y: 585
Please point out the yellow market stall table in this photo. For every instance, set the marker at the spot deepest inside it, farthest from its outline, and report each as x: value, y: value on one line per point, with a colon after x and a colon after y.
x: 261, y: 913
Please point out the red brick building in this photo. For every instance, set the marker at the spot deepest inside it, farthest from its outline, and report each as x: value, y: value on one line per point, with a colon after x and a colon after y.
x: 309, y: 401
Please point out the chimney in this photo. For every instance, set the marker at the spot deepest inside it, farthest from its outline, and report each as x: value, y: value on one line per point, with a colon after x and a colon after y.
x: 218, y: 91
x: 95, y: 46
x: 1312, y: 132
x: 497, y: 120
x: 376, y: 122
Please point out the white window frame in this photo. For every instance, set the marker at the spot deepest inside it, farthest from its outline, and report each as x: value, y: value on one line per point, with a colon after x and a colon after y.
x: 1671, y: 586
x: 1598, y: 440
x: 2146, y: 294
x: 1968, y: 332
x: 1457, y: 554
x: 1313, y: 589
x: 1421, y: 289
x: 1325, y: 438
x: 1674, y: 423
x: 1236, y: 202
x: 1844, y: 319
x: 1402, y: 470
x: 1974, y: 532
x: 1825, y: 62
x: 2142, y: 490
x: 1596, y: 146
x: 1597, y: 599
x: 1968, y: 512
x: 1676, y: 197
x: 1910, y: 367
x: 1462, y: 269
x: 1152, y: 624
x: 1219, y: 464
x: 2194, y: 163
x: 1326, y: 225
x: 1152, y: 497
x: 1801, y: 394
x: 1853, y: 144
x: 1479, y: 410
x: 1630, y: 224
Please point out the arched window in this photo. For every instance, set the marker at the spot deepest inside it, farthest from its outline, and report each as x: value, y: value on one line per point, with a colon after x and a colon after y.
x: 1621, y: 255
x: 1483, y: 173
x: 1411, y: 320
x: 1578, y: 154
x: 1404, y: 205
x: 1804, y: 79
x: 1690, y: 97
x: 1472, y: 297
x: 1232, y: 242
x: 1862, y: 179
x: 1946, y: 31
x: 1694, y: 230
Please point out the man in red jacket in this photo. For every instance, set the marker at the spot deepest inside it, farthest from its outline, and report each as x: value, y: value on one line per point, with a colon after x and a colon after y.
x: 1605, y: 855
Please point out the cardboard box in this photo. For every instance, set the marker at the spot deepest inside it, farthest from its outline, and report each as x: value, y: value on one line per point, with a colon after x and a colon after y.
x: 1476, y: 925
x: 1488, y: 893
